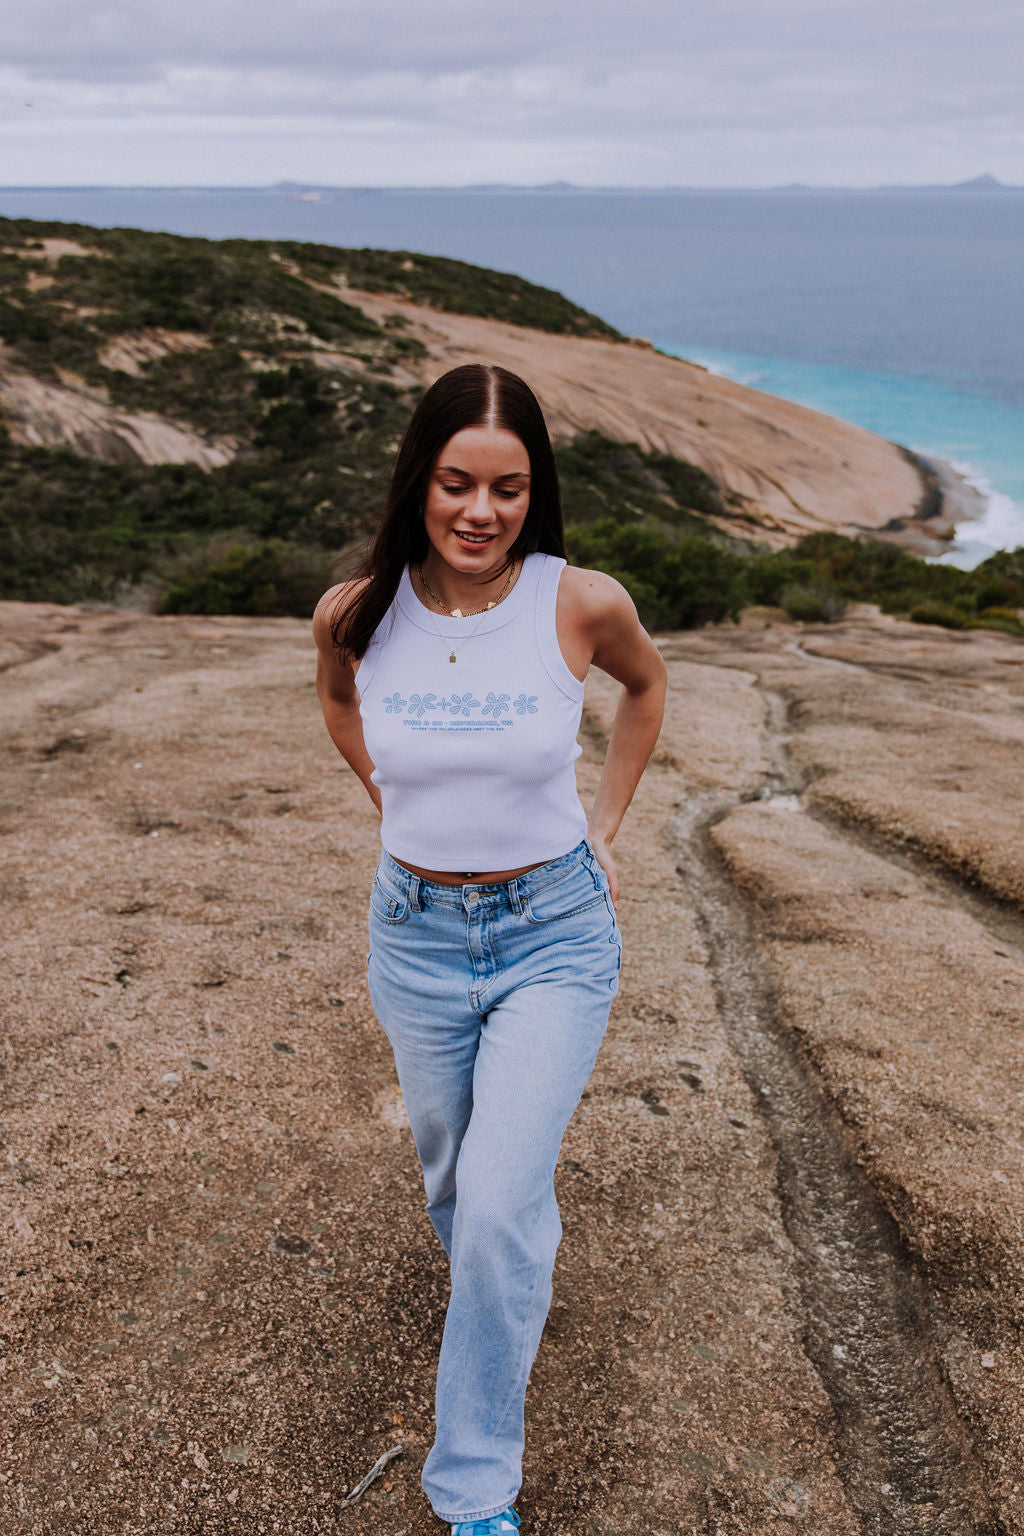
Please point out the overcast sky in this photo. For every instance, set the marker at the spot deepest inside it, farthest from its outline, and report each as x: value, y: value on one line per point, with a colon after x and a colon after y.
x: 446, y: 92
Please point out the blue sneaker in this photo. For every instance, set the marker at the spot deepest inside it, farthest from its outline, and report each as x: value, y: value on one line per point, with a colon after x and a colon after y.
x: 494, y: 1525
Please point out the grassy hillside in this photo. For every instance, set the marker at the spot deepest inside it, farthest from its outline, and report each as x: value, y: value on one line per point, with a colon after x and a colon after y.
x: 252, y: 345
x: 313, y: 391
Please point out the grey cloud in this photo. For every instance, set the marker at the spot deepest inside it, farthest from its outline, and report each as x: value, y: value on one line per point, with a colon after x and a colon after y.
x: 610, y: 85
x: 63, y: 37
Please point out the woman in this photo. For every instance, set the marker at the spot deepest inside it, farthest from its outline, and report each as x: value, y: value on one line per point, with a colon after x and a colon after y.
x: 451, y: 677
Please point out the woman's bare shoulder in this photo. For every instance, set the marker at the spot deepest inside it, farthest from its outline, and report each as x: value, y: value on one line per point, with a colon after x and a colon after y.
x: 594, y: 596
x: 602, y: 613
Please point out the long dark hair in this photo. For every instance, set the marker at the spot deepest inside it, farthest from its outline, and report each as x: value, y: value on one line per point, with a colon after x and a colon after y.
x: 475, y: 395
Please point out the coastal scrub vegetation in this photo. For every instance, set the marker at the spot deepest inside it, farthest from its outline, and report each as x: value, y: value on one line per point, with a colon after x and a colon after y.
x: 264, y: 534
x: 445, y: 283
x: 254, y: 344
x: 250, y: 300
x: 682, y: 580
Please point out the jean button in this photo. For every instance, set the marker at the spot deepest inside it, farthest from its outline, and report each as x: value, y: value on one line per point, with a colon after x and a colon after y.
x: 472, y: 897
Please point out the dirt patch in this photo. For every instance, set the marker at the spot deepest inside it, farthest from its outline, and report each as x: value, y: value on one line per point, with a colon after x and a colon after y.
x: 53, y: 247
x: 222, y: 1298
x: 131, y: 352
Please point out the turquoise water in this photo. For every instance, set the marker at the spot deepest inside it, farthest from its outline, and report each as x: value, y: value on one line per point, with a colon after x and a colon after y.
x: 983, y: 439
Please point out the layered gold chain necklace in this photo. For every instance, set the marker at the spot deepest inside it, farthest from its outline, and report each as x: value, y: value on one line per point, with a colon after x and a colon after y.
x: 457, y: 613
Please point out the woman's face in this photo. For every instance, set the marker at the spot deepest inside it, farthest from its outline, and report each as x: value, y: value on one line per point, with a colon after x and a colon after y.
x: 477, y: 498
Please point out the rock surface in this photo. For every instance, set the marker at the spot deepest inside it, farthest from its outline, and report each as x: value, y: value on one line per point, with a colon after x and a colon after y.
x: 788, y: 1295
x: 792, y: 470
x: 40, y: 413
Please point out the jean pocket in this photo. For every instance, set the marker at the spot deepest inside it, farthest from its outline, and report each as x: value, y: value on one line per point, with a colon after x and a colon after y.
x: 577, y: 892
x: 389, y: 906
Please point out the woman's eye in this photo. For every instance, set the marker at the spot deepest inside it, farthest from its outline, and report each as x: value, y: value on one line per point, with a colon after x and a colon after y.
x: 507, y: 493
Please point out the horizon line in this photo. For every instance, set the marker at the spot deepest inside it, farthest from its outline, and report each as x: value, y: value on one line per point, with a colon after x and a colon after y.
x: 983, y: 182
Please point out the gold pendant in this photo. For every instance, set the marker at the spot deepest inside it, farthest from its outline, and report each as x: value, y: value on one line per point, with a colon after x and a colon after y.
x: 452, y: 656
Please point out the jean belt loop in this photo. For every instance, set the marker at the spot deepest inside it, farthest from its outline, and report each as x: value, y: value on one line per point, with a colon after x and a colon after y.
x: 414, y: 893
x: 514, y: 899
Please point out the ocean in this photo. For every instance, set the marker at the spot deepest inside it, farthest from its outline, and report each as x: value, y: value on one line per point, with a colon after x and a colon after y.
x: 900, y: 310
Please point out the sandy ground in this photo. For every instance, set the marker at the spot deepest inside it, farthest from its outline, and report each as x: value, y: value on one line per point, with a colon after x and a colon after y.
x: 788, y: 1295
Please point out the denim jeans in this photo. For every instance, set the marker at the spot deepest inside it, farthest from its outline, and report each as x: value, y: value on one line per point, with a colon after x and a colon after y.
x: 495, y: 999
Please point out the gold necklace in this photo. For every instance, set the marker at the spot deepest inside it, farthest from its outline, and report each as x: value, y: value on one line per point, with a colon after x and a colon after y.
x: 451, y: 649
x: 457, y: 613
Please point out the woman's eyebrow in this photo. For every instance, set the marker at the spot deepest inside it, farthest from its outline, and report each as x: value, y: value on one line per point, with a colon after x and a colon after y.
x: 453, y: 469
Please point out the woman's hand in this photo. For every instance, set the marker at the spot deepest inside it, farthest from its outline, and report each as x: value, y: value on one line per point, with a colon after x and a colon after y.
x: 603, y: 855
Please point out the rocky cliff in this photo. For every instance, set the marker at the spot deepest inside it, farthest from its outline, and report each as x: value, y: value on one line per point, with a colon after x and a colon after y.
x: 100, y: 358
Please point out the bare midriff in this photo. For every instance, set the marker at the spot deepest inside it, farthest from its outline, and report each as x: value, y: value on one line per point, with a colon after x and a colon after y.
x: 474, y: 877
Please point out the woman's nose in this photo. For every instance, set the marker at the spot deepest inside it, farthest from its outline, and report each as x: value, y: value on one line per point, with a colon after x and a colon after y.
x: 480, y: 506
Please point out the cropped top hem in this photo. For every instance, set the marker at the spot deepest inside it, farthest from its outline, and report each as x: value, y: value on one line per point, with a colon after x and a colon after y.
x: 535, y: 855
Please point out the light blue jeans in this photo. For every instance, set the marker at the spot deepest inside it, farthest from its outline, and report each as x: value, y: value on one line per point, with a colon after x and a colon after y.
x: 495, y: 999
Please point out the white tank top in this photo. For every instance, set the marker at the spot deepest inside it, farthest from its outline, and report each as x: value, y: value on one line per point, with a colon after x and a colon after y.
x: 475, y: 762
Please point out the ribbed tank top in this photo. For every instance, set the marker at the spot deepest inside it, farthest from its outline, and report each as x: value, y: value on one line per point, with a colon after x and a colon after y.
x: 475, y: 762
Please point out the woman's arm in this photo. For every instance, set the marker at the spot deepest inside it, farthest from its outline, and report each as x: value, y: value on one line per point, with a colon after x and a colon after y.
x: 604, y: 617
x: 336, y: 686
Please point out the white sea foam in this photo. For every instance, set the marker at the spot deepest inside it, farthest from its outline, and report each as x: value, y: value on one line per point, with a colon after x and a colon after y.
x: 748, y: 376
x: 1000, y: 526
x: 961, y: 430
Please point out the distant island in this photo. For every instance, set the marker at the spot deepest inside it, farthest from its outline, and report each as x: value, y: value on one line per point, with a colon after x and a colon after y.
x: 317, y: 190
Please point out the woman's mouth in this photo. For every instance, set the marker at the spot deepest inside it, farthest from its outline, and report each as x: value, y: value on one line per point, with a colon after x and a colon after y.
x: 472, y: 538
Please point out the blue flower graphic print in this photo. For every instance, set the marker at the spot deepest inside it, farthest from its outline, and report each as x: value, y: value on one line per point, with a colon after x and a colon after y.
x: 463, y: 706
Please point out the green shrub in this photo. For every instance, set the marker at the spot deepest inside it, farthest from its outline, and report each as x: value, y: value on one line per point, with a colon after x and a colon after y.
x: 770, y: 573
x: 998, y: 592
x: 1005, y: 564
x: 1006, y: 619
x: 603, y: 478
x: 869, y: 570
x: 939, y: 613
x: 270, y: 577
x: 675, y: 581
x: 817, y: 603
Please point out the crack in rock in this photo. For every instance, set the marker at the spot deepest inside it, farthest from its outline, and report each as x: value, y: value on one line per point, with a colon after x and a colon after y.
x: 903, y: 1452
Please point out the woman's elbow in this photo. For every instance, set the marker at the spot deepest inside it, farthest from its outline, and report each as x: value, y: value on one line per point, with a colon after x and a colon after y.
x: 652, y: 684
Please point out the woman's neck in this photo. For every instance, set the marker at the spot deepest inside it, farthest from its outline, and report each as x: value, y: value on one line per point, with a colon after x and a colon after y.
x: 467, y: 591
